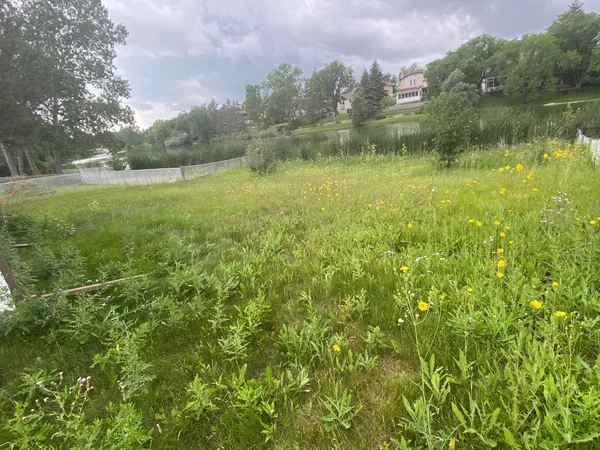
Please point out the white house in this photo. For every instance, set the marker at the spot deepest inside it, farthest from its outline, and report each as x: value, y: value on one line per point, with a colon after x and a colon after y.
x: 411, y: 88
x: 490, y: 83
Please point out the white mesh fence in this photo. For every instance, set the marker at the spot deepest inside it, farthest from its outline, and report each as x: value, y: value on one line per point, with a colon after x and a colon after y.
x: 34, y: 186
x: 204, y: 170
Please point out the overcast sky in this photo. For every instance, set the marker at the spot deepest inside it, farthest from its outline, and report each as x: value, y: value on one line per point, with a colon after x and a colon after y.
x: 184, y: 52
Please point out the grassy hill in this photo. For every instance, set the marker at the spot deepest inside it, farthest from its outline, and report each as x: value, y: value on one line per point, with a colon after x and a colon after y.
x: 347, y: 303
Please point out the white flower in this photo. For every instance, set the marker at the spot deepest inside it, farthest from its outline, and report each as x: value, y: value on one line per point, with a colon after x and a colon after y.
x: 400, y: 321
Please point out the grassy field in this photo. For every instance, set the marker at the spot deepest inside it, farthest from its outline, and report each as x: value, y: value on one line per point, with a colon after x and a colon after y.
x: 584, y: 94
x: 364, y: 302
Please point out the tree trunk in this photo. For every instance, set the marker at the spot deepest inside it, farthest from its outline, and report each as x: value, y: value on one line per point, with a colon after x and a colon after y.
x: 32, y: 164
x: 57, y: 156
x: 9, y: 161
x: 20, y: 163
x: 57, y: 161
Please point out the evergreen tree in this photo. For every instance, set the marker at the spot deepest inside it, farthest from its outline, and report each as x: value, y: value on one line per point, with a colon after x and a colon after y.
x: 373, y: 92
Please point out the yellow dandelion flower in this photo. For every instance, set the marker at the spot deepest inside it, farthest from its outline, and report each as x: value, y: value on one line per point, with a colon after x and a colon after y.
x: 546, y: 156
x: 518, y: 167
x: 511, y: 242
x: 395, y: 297
x: 469, y: 290
x: 560, y: 314
x: 471, y: 220
x: 500, y: 275
x: 404, y: 268
x: 500, y: 250
x: 507, y: 227
x: 322, y: 209
x: 530, y: 175
x: 555, y: 283
x: 502, y: 234
x: 423, y: 306
x: 507, y: 167
x: 501, y: 263
x: 479, y: 224
x: 410, y: 225
x: 381, y: 202
x: 536, y: 304
x: 369, y: 205
x: 336, y: 347
x: 496, y: 222
x: 535, y: 189
x: 592, y: 222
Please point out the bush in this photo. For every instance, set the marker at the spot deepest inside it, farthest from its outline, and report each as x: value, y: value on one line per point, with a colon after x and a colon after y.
x: 262, y: 159
x: 360, y: 110
x: 451, y: 122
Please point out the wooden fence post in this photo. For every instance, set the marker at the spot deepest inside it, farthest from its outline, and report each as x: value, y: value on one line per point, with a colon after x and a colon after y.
x: 9, y: 278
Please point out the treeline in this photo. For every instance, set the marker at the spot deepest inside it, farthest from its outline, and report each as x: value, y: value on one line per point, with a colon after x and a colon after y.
x: 566, y: 54
x: 59, y: 91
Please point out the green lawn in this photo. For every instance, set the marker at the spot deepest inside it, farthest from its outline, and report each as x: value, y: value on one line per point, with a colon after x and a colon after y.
x: 586, y: 93
x: 344, y: 303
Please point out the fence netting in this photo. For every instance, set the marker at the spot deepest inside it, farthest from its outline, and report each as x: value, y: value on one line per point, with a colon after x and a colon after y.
x: 43, y: 185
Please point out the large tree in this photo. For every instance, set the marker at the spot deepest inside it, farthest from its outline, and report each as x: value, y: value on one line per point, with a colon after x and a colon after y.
x: 527, y: 65
x: 254, y: 104
x: 282, y: 90
x: 326, y: 86
x: 83, y: 92
x: 372, y: 87
x: 595, y: 61
x: 575, y: 32
x: 472, y: 59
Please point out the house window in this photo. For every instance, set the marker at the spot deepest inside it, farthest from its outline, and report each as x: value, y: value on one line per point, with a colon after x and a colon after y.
x: 492, y: 82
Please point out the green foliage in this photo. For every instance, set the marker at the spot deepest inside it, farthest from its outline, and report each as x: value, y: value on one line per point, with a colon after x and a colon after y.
x: 326, y: 86
x: 450, y: 122
x: 339, y: 410
x: 262, y: 160
x: 456, y: 83
x: 386, y: 102
x: 527, y: 65
x: 472, y: 59
x: 575, y: 32
x: 360, y: 110
x: 372, y: 84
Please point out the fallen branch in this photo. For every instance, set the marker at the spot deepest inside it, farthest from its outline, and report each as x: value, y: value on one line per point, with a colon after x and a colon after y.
x: 22, y: 245
x: 91, y: 287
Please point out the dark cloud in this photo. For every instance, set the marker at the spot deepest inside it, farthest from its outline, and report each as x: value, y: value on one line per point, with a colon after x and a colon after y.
x: 184, y: 52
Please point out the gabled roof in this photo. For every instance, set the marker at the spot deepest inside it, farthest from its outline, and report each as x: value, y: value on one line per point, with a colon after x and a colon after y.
x: 412, y: 73
x: 349, y: 95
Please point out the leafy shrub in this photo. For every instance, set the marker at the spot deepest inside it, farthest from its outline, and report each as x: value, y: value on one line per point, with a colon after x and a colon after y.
x: 262, y: 161
x: 360, y: 110
x: 451, y: 122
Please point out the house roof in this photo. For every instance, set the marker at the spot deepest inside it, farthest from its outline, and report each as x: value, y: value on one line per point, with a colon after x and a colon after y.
x: 349, y: 95
x: 387, y: 83
x: 408, y: 75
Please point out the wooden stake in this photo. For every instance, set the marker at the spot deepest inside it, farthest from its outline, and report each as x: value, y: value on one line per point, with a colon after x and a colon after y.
x: 91, y: 287
x: 9, y: 278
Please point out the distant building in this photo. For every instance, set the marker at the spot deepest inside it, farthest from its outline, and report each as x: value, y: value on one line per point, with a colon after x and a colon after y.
x: 411, y: 88
x: 346, y: 104
x: 389, y: 88
x: 491, y: 82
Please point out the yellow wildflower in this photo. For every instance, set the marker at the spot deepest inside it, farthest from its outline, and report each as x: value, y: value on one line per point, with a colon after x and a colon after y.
x: 322, y: 209
x: 336, y: 347
x: 530, y: 175
x: 507, y: 227
x: 502, y: 234
x: 471, y: 220
x: 560, y: 314
x: 510, y: 242
x: 410, y: 225
x: 496, y: 222
x: 404, y: 268
x: 369, y: 205
x: 479, y: 224
x: 501, y: 263
x: 469, y: 290
x: 452, y: 444
x: 535, y: 189
x: 500, y: 275
x: 507, y: 167
x: 395, y: 297
x: 536, y: 304
x: 592, y: 222
x: 117, y: 348
x: 518, y: 167
x: 423, y: 306
x: 555, y: 283
x: 546, y: 156
x: 500, y: 250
